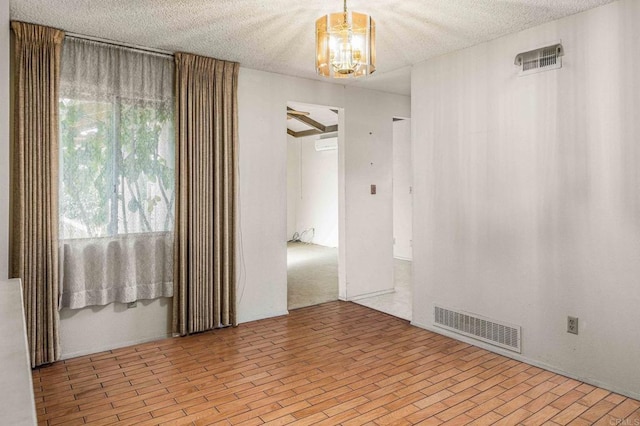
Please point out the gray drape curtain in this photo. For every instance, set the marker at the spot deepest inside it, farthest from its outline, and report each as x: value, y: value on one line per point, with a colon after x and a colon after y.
x: 35, y: 184
x: 206, y: 155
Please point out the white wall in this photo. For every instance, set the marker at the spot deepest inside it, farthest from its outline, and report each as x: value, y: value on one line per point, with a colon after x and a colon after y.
x: 4, y: 138
x: 526, y: 192
x: 262, y: 98
x: 316, y: 199
x: 318, y: 206
x: 369, y: 153
x: 402, y: 182
x: 100, y: 328
x: 293, y: 185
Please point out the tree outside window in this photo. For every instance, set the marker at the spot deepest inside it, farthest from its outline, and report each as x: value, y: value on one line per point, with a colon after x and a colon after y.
x: 117, y: 167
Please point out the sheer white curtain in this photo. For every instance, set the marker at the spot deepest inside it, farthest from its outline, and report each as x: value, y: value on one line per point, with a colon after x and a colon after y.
x: 116, y: 174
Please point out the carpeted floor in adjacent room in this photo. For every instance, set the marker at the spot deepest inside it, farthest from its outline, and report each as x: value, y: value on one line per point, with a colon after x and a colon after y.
x: 312, y: 274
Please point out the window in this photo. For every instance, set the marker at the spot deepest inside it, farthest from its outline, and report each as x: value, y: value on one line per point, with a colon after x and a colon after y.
x: 116, y: 196
x: 116, y: 168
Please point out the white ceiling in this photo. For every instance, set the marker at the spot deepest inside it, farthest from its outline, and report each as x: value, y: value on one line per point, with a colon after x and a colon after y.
x: 278, y: 35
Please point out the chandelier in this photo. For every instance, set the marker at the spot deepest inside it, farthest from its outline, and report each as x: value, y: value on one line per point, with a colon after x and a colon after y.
x: 345, y: 44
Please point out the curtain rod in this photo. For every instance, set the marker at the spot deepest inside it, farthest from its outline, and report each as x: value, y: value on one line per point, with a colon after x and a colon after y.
x: 150, y: 50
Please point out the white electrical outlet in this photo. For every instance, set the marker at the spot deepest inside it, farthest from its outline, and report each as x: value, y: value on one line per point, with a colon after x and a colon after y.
x: 572, y: 325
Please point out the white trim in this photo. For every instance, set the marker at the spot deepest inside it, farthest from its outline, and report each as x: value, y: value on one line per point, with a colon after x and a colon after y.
x: 408, y: 259
x: 98, y: 349
x: 367, y: 295
x: 263, y: 316
x: 104, y: 348
x: 526, y: 360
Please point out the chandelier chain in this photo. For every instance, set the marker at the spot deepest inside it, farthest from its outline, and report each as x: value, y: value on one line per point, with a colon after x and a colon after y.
x: 345, y: 12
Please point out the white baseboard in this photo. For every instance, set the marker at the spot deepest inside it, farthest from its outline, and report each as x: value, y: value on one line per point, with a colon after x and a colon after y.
x: 367, y: 295
x: 526, y: 360
x: 105, y: 348
x: 263, y: 316
x: 409, y: 259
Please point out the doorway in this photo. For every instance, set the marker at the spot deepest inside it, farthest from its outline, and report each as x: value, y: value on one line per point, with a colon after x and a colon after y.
x: 402, y: 216
x: 313, y: 207
x: 399, y: 303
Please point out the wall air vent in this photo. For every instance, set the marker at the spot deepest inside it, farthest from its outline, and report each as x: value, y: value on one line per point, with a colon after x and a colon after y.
x: 327, y: 144
x: 543, y: 59
x: 496, y: 333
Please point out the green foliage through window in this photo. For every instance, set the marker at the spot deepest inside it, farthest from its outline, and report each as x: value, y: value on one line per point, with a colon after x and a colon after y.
x: 116, y: 167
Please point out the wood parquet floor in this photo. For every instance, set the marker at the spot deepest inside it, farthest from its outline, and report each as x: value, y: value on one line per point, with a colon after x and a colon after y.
x: 334, y: 364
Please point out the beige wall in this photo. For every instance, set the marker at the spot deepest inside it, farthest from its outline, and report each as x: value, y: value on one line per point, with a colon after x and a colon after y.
x: 527, y: 192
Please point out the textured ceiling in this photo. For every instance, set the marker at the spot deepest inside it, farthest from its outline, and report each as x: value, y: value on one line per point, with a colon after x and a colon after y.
x: 278, y: 35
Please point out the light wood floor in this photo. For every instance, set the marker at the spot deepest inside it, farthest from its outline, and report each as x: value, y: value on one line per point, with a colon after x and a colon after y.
x: 337, y: 363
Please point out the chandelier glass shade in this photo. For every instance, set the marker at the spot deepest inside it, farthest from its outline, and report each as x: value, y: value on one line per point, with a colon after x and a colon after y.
x: 345, y: 44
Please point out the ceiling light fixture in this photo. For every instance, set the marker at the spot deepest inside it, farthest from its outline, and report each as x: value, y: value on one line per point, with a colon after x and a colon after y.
x: 345, y: 44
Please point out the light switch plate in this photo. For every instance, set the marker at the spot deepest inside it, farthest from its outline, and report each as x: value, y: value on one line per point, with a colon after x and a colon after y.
x: 373, y: 190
